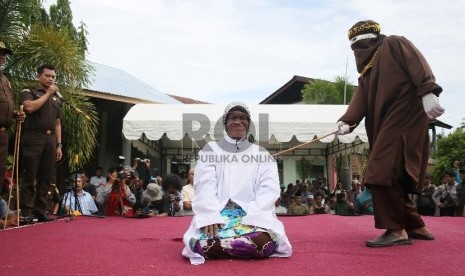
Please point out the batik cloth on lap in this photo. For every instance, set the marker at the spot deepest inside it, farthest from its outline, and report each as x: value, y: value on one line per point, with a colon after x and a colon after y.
x: 233, y: 227
x: 235, y: 238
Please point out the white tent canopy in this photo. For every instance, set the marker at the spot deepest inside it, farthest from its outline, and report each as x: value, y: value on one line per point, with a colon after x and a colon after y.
x: 270, y: 123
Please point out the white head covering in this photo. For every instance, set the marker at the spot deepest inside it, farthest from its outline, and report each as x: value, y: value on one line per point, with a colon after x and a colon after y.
x: 237, y: 106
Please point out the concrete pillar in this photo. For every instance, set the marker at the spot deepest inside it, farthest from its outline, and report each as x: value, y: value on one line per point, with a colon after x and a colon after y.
x: 346, y: 174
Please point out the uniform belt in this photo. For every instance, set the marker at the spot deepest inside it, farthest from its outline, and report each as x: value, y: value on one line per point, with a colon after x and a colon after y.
x: 47, y: 131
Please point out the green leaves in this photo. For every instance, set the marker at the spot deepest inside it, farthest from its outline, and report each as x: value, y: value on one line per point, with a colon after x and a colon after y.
x: 450, y: 148
x: 16, y: 16
x: 79, y: 133
x: 45, y: 45
x: 36, y: 39
x: 325, y: 92
x: 303, y: 168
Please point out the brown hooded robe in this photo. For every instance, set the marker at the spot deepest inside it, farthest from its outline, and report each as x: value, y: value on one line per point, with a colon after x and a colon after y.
x: 389, y: 98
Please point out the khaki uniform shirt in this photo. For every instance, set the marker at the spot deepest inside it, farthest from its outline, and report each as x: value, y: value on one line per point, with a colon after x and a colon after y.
x: 44, y: 118
x: 6, y: 102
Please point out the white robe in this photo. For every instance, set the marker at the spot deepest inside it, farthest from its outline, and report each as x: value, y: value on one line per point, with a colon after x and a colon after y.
x: 244, y: 173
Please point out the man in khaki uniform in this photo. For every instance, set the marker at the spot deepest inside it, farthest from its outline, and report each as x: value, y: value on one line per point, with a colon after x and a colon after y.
x: 41, y: 142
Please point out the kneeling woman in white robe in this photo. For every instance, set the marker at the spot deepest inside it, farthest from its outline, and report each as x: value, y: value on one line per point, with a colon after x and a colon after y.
x: 236, y: 186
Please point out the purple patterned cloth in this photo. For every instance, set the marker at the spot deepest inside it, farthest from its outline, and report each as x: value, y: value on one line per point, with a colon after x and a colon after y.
x: 236, y: 239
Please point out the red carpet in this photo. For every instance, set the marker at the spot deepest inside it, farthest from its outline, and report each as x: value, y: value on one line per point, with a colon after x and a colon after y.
x: 323, y: 245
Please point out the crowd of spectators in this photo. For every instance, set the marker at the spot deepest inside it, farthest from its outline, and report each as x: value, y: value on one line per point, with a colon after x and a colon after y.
x: 315, y: 197
x: 447, y: 198
x: 122, y: 192
x: 125, y: 193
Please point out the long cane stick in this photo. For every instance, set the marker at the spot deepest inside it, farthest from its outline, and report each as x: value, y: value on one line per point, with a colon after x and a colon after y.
x: 309, y: 142
x: 17, y: 168
x: 13, y: 167
x: 14, y: 170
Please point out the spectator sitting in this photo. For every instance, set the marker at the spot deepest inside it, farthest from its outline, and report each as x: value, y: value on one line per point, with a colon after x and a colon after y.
x: 309, y: 184
x: 290, y: 190
x: 188, y: 193
x: 318, y: 189
x: 424, y: 201
x: 445, y: 196
x: 278, y: 208
x: 319, y: 207
x: 91, y: 189
x: 457, y: 166
x: 304, y: 192
x: 98, y: 179
x: 103, y: 191
x: 285, y: 202
x: 291, y: 201
x: 354, y: 192
x: 53, y: 200
x: 172, y: 198
x: 145, y: 173
x: 364, y: 203
x: 152, y: 196
x: 343, y: 207
x: 324, y: 186
x: 12, y: 215
x: 332, y: 203
x: 338, y: 189
x: 461, y: 194
x: 120, y: 199
x: 137, y: 190
x: 310, y: 201
x: 298, y: 208
x: 85, y: 200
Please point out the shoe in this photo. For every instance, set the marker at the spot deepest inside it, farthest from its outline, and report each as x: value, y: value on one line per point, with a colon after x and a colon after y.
x: 26, y: 220
x: 43, y: 218
x: 419, y: 236
x: 388, y: 239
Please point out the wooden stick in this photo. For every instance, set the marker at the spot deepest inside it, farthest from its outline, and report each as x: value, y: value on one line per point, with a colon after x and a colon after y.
x: 304, y: 144
x: 309, y: 142
x: 13, y: 171
x: 17, y: 171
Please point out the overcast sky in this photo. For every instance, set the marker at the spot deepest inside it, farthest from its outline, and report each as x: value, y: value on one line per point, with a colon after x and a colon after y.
x: 223, y: 50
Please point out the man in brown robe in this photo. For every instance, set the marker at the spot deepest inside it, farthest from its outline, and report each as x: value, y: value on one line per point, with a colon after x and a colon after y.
x: 7, y: 113
x: 397, y: 96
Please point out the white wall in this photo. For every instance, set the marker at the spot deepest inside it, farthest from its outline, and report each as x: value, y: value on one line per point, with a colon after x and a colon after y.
x: 289, y: 173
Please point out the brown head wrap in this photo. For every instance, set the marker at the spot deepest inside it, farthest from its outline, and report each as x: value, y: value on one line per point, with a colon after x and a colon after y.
x: 364, y: 27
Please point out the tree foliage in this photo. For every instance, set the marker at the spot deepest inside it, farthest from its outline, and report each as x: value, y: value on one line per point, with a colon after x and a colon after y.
x: 16, y: 16
x: 325, y: 92
x: 450, y: 148
x: 303, y: 168
x: 61, y: 18
x: 38, y: 38
x: 43, y: 44
x: 362, y: 158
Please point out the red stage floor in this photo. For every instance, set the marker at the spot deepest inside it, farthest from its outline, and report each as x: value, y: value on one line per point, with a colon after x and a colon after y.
x: 323, y: 245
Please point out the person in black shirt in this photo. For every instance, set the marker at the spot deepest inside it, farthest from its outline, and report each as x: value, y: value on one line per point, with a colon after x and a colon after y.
x: 424, y: 201
x: 172, y: 199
